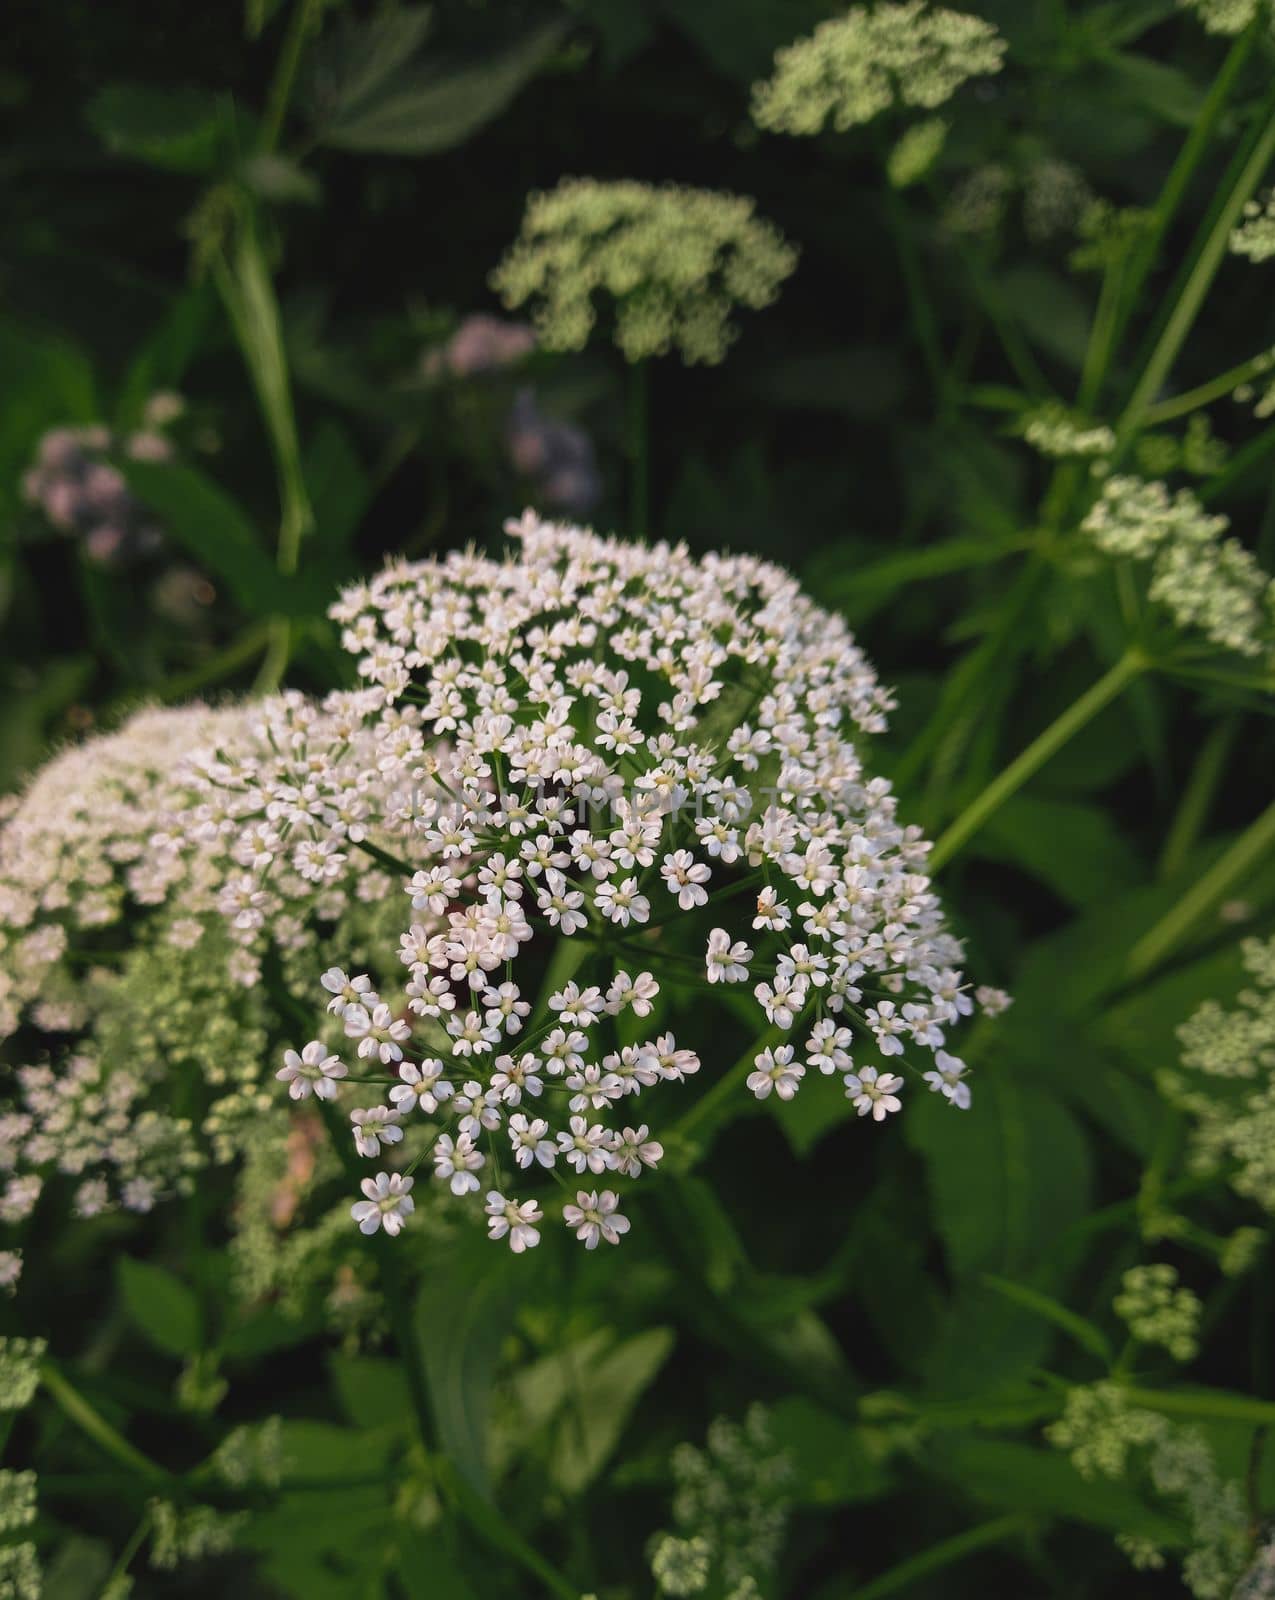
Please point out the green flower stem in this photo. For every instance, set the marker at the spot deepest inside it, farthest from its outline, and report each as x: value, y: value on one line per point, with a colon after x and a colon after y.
x: 1207, y: 260
x: 708, y: 1111
x: 91, y: 1422
x: 924, y: 320
x: 1175, y: 185
x: 1230, y: 868
x: 1239, y: 466
x: 304, y: 20
x: 1197, y: 797
x: 1203, y: 393
x: 941, y: 1555
x: 482, y: 1517
x: 637, y: 442
x: 1025, y: 766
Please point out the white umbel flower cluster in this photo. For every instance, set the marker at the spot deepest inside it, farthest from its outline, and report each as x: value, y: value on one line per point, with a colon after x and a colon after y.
x: 852, y: 68
x: 635, y: 739
x: 1204, y: 581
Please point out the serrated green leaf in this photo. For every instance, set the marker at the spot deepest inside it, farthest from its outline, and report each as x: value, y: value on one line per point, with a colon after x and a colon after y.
x: 180, y: 129
x: 372, y: 1390
x: 160, y: 1306
x: 462, y: 1316
x: 422, y: 110
x: 206, y: 522
x: 1007, y: 1177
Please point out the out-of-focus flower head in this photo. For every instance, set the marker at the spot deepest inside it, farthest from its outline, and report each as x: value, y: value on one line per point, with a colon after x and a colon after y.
x: 675, y: 262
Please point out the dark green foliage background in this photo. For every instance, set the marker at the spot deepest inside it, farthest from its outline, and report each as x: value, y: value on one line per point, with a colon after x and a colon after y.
x: 810, y: 1263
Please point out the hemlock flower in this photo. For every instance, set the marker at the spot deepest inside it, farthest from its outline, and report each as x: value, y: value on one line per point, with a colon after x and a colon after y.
x: 776, y: 1069
x: 675, y: 262
x: 854, y: 67
x: 873, y: 1093
x: 314, y: 1071
x: 726, y: 961
x: 517, y: 1220
x: 948, y: 1079
x: 375, y: 1128
x: 388, y: 1205
x: 595, y: 1217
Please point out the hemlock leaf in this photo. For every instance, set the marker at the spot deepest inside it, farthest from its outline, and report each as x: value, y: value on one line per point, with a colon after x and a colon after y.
x: 424, y: 109
x: 160, y: 1306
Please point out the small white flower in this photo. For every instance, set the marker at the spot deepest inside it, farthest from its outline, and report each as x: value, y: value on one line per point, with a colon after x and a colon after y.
x: 634, y: 1150
x: 726, y: 962
x: 374, y: 1128
x: 422, y: 1086
x: 685, y: 877
x: 826, y: 1048
x: 636, y: 993
x: 873, y: 1093
x: 578, y: 1009
x: 314, y: 1071
x: 518, y: 1221
x: 379, y: 1033
x: 388, y: 1205
x: 947, y: 1079
x: 594, y: 1217
x: 886, y: 1025
x: 586, y: 1146
x: 776, y: 1069
x: 457, y: 1163
x: 531, y: 1141
x: 621, y: 903
x: 346, y: 991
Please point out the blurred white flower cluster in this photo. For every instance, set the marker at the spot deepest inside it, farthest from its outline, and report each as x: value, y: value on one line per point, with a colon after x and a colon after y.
x: 853, y: 68
x: 675, y: 261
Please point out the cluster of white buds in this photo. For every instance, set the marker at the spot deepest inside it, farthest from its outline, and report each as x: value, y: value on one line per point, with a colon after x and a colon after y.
x: 601, y: 739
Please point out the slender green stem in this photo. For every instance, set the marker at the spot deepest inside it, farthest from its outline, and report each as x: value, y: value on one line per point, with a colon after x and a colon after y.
x: 638, y: 445
x: 1241, y: 463
x: 941, y: 1555
x: 135, y: 1543
x: 1230, y: 868
x: 924, y: 322
x: 1102, y: 335
x: 1216, y: 1404
x: 1187, y: 307
x: 94, y: 1424
x: 304, y: 19
x: 1025, y: 766
x: 1183, y: 170
x: 1197, y: 797
x: 1214, y: 389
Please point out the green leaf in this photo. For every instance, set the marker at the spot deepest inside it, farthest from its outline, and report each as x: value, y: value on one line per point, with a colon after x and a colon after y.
x: 1074, y: 848
x: 462, y: 1316
x: 833, y: 1461
x: 1164, y: 90
x: 160, y: 1306
x: 1084, y: 1332
x: 421, y: 110
x: 180, y: 129
x: 372, y: 1390
x: 588, y: 1390
x: 280, y: 179
x: 210, y: 526
x: 1017, y: 1477
x: 356, y: 62
x: 1051, y: 311
x: 1007, y: 1177
x: 338, y: 485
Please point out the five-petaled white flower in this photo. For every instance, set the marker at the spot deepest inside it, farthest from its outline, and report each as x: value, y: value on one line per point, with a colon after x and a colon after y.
x: 594, y: 1217
x: 776, y: 1069
x: 515, y: 1219
x: 314, y: 1071
x: 388, y: 1205
x: 872, y: 1092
